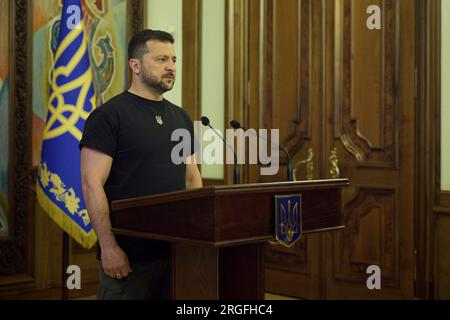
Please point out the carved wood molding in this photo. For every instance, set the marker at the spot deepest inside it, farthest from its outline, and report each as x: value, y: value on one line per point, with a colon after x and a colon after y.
x: 15, y: 252
x: 236, y: 75
x: 135, y: 23
x: 428, y: 127
x: 347, y: 128
x: 267, y: 73
x: 192, y: 49
x: 350, y: 261
x: 137, y: 16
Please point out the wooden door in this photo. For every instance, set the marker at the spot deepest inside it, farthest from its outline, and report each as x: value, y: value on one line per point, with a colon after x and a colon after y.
x: 371, y: 124
x: 327, y: 81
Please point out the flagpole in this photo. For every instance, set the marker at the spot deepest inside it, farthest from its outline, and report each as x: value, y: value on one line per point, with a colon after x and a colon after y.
x: 65, y: 264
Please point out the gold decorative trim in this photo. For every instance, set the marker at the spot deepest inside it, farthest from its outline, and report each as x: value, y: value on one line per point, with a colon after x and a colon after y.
x: 87, y: 240
x: 309, y: 163
x: 62, y: 194
x: 353, y: 148
x: 334, y: 164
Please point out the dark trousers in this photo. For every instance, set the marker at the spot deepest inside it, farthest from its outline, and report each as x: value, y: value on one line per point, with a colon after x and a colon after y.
x: 148, y: 281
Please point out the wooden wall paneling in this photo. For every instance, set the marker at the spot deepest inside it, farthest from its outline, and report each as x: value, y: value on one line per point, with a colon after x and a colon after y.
x: 135, y: 23
x: 314, y: 137
x: 280, y: 80
x: 433, y: 208
x: 136, y: 17
x: 283, y: 85
x: 267, y: 70
x: 373, y: 131
x: 295, y: 271
x: 291, y: 74
x: 307, y: 128
x: 332, y: 42
x: 428, y: 133
x: 441, y: 254
x: 368, y: 88
x: 440, y: 283
x: 406, y: 119
x: 48, y: 252
x: 16, y: 265
x: 255, y: 66
x: 236, y: 71
x: 265, y: 108
x: 87, y: 261
x: 361, y: 244
x: 192, y: 45
x: 30, y: 259
x: 288, y: 108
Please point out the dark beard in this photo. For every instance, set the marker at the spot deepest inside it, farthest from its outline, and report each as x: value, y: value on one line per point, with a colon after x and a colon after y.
x: 156, y: 85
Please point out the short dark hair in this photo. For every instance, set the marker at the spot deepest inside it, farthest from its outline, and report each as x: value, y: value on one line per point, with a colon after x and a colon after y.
x: 137, y: 46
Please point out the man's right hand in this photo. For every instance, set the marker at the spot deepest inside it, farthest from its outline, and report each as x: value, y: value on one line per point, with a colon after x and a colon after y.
x: 115, y: 262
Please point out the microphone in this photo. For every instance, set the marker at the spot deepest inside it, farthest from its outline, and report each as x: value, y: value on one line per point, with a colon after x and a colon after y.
x: 236, y: 179
x: 237, y: 125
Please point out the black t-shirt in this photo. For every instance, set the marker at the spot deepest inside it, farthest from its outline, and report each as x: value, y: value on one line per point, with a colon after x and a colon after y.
x: 136, y: 133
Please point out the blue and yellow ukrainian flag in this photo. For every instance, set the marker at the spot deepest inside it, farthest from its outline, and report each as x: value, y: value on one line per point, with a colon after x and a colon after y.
x: 71, y: 100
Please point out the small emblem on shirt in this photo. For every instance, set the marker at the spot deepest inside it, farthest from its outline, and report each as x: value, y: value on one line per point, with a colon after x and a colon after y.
x: 159, y: 120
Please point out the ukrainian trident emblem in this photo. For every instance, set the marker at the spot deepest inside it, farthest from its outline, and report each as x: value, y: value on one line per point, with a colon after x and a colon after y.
x: 159, y: 120
x: 288, y: 218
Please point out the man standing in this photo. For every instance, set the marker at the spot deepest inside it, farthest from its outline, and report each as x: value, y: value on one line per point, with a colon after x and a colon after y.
x: 126, y: 152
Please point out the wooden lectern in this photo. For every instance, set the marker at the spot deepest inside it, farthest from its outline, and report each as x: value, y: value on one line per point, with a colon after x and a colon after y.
x: 218, y: 233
